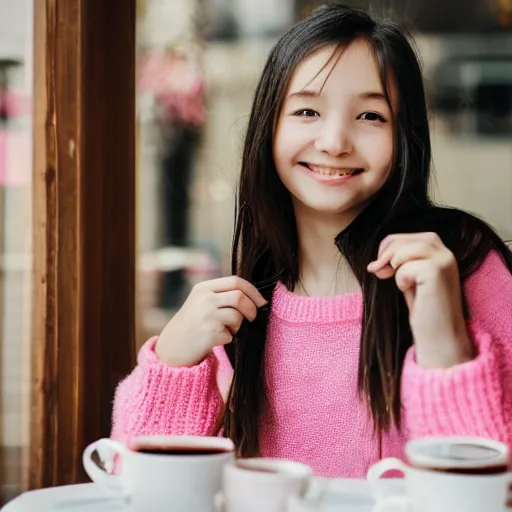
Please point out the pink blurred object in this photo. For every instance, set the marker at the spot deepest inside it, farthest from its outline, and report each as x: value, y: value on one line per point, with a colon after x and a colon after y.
x: 16, y: 104
x: 15, y: 143
x: 15, y: 158
x: 203, y: 268
x: 178, y: 88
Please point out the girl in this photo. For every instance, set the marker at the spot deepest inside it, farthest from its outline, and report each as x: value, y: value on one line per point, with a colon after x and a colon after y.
x: 361, y: 314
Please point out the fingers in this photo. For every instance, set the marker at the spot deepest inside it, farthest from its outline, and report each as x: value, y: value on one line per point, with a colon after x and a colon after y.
x: 238, y: 300
x: 395, y: 250
x: 224, y: 336
x: 399, y: 252
x: 230, y: 318
x: 226, y: 284
x: 428, y: 237
x: 410, y: 274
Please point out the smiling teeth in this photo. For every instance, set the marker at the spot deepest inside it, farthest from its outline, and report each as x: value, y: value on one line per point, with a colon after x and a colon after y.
x: 331, y: 171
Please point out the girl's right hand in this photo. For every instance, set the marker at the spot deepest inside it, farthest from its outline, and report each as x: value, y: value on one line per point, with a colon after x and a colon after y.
x: 211, y: 315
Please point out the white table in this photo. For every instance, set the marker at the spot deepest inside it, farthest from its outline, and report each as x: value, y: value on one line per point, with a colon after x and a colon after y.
x: 91, y: 498
x: 82, y: 498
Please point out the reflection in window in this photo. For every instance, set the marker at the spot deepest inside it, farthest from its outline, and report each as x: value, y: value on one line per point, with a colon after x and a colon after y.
x: 16, y: 41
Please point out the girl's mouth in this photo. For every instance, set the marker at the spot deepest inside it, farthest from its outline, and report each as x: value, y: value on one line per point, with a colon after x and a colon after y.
x: 335, y: 172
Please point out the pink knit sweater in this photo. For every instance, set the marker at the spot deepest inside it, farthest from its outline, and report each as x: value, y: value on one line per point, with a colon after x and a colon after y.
x: 314, y: 414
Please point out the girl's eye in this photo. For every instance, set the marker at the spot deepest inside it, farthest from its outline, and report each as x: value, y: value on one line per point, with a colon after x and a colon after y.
x: 372, y: 117
x: 306, y: 113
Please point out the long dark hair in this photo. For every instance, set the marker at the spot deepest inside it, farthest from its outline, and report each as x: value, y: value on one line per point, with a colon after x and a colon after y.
x: 265, y: 240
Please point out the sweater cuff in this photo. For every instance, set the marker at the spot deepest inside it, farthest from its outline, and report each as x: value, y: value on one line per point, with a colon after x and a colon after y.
x: 463, y: 400
x: 157, y: 399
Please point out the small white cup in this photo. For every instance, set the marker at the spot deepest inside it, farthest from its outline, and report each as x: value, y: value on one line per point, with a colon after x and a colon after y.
x: 160, y: 482
x: 262, y: 485
x: 438, y: 480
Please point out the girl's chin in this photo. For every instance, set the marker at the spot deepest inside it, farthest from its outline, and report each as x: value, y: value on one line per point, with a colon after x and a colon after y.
x: 344, y: 211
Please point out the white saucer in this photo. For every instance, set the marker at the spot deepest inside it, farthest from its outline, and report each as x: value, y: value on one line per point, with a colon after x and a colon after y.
x: 382, y: 487
x: 91, y: 498
x: 71, y: 498
x: 347, y: 494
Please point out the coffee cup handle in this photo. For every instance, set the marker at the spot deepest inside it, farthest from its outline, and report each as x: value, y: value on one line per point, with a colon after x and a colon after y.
x: 392, y: 504
x: 110, y: 483
x: 383, y: 466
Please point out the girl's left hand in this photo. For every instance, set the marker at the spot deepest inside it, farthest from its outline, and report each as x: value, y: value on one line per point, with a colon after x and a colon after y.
x: 427, y: 274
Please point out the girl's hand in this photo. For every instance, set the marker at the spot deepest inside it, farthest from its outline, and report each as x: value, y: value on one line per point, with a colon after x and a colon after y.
x: 211, y: 315
x: 427, y: 274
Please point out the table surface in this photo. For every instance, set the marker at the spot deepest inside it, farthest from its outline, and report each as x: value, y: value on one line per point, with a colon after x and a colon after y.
x: 91, y: 498
x: 83, y: 497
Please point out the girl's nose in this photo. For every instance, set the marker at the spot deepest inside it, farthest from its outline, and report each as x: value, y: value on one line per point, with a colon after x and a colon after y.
x: 334, y: 139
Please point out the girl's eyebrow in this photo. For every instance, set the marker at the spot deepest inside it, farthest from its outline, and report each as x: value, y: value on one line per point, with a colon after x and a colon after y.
x: 308, y: 93
x: 304, y: 93
x: 372, y: 95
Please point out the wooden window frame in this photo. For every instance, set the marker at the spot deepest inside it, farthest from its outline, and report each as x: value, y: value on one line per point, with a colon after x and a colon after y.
x: 83, y: 228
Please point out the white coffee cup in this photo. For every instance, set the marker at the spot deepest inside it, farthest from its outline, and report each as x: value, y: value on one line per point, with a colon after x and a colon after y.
x: 162, y: 473
x: 448, y: 474
x: 262, y: 485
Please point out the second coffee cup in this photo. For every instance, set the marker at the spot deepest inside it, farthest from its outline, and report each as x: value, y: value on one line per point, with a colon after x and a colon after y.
x: 259, y: 484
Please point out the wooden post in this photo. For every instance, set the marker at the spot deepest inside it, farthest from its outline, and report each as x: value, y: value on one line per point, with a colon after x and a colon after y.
x: 84, y: 227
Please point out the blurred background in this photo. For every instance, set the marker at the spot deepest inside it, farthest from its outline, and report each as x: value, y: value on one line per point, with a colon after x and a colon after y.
x: 197, y: 66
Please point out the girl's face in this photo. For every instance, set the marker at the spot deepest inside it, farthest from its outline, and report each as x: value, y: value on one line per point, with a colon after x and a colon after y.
x: 333, y: 145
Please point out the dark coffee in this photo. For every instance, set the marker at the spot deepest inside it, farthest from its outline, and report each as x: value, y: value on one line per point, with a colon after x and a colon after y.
x: 473, y: 453
x: 462, y: 458
x: 180, y: 450
x: 258, y: 470
x: 483, y: 470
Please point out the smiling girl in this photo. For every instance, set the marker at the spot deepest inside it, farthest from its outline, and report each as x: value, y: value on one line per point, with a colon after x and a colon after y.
x: 359, y: 314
